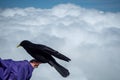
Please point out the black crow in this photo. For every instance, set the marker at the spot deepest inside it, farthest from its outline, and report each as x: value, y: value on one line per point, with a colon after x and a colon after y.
x: 45, y: 54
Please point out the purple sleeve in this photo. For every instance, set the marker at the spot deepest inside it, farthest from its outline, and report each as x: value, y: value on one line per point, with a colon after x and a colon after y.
x: 1, y: 73
x: 3, y: 66
x: 12, y: 77
x: 26, y: 70
x: 6, y: 68
x: 15, y: 70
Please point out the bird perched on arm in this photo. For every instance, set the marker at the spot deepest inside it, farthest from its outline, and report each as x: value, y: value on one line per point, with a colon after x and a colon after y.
x: 45, y: 54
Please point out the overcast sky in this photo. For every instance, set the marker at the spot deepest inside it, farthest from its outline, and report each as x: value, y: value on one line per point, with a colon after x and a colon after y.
x: 90, y: 37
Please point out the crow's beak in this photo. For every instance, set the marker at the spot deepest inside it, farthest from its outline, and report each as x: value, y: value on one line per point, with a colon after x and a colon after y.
x: 18, y: 46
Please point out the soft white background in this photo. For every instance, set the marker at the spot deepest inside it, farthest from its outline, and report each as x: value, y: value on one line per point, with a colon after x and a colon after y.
x: 91, y: 38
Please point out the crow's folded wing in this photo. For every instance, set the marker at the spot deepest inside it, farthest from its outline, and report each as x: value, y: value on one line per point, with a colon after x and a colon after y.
x: 55, y: 53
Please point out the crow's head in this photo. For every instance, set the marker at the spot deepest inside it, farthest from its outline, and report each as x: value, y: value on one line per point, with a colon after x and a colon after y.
x: 24, y: 43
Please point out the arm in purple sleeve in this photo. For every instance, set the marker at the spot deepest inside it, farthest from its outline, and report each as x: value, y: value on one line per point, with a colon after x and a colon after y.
x: 12, y: 77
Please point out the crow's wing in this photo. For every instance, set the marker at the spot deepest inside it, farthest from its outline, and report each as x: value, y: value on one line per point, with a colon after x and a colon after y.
x: 53, y: 52
x: 41, y: 58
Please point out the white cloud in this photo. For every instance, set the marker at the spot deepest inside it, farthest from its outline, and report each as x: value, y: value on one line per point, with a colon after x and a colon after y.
x: 89, y: 37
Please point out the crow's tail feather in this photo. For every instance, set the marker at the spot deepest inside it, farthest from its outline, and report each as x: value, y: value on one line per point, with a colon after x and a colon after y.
x: 63, y: 71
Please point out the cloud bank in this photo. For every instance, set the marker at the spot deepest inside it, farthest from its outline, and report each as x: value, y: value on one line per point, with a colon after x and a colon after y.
x: 89, y: 37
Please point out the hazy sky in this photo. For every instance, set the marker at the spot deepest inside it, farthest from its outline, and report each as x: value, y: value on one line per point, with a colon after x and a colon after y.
x: 90, y: 37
